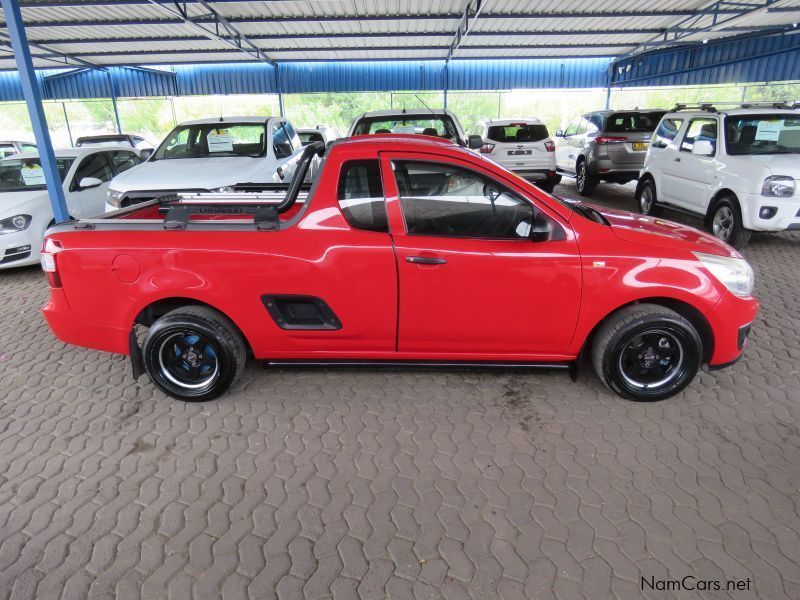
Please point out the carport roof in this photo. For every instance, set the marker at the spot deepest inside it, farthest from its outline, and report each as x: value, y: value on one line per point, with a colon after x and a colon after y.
x: 151, y: 32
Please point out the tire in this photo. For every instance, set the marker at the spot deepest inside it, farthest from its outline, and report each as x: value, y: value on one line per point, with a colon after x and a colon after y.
x: 630, y: 351
x: 584, y: 181
x: 547, y: 186
x: 185, y: 345
x: 725, y: 223
x: 647, y: 199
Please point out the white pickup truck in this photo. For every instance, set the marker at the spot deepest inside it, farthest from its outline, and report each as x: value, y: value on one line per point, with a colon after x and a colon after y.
x: 738, y: 169
x: 212, y: 155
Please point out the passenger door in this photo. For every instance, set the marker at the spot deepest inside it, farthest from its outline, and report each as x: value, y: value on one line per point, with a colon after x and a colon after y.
x: 89, y: 202
x: 565, y: 152
x: 473, y: 285
x: 692, y: 176
x: 661, y: 154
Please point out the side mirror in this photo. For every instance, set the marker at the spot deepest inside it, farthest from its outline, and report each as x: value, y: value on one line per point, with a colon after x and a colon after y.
x: 475, y: 142
x: 542, y: 228
x: 145, y: 153
x: 703, y: 148
x: 89, y: 182
x: 559, y: 133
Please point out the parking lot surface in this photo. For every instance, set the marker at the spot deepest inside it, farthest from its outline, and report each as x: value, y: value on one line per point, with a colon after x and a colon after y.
x: 376, y: 483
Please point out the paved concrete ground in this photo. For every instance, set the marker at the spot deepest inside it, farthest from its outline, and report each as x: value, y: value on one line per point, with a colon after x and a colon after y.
x: 370, y: 483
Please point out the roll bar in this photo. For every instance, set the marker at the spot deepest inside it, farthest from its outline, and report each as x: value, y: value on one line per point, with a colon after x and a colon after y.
x: 300, y: 174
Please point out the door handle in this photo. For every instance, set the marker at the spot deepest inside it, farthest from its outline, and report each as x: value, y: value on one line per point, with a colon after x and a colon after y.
x: 678, y: 159
x: 425, y: 260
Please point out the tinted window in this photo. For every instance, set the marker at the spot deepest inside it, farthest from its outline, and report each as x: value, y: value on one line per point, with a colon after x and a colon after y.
x: 26, y: 174
x: 95, y: 165
x: 632, y: 122
x: 360, y: 195
x: 666, y: 132
x: 434, y: 125
x: 311, y: 136
x: 517, y: 132
x: 124, y: 160
x: 443, y: 200
x: 700, y: 129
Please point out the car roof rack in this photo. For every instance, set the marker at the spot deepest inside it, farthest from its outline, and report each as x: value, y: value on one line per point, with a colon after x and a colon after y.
x: 704, y: 106
x: 772, y: 104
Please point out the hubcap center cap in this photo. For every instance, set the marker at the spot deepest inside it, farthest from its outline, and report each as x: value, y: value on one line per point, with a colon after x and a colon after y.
x: 649, y: 358
x: 191, y: 358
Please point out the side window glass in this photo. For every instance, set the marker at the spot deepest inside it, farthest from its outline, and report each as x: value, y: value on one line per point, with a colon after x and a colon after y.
x: 292, y: 136
x: 29, y: 148
x: 700, y: 129
x: 123, y: 161
x: 572, y: 129
x: 360, y: 195
x: 444, y: 200
x: 280, y: 141
x: 7, y: 150
x: 95, y: 165
x: 666, y: 132
x: 596, y: 123
x: 583, y: 125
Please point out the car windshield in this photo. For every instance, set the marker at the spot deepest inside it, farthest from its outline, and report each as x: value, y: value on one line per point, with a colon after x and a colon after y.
x: 209, y: 140
x: 426, y: 124
x: 763, y: 134
x: 306, y: 137
x: 26, y: 174
x: 632, y: 122
x: 517, y: 132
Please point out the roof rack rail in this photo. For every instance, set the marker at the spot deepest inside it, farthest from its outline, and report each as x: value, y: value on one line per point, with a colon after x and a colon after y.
x: 766, y: 104
x: 706, y: 106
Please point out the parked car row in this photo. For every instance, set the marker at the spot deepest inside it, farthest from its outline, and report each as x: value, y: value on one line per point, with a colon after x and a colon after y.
x: 737, y: 169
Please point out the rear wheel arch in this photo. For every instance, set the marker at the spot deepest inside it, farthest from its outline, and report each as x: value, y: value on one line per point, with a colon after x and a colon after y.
x: 686, y: 310
x: 158, y: 308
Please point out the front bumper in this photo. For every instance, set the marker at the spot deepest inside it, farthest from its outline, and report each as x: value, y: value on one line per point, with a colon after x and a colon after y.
x: 19, y: 249
x: 786, y: 212
x: 731, y: 321
x: 71, y: 329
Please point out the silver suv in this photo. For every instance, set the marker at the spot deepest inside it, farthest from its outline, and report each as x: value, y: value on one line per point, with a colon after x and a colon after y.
x: 605, y: 146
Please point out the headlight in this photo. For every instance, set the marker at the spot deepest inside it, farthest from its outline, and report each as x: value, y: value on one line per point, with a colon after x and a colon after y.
x: 734, y: 273
x: 15, y: 223
x: 778, y: 185
x: 226, y: 189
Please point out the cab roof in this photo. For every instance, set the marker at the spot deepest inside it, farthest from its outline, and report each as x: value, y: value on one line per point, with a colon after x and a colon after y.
x: 399, y: 112
x: 223, y: 120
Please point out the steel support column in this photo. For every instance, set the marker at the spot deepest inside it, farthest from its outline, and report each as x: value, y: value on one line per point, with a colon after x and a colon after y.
x: 278, y: 89
x: 66, y: 122
x: 113, y: 87
x: 33, y: 98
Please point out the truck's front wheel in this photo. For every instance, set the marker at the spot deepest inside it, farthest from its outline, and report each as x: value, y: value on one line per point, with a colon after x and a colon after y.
x: 193, y: 353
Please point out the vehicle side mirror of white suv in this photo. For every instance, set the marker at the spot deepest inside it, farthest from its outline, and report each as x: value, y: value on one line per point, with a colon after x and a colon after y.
x: 89, y: 182
x: 559, y: 133
x: 703, y: 148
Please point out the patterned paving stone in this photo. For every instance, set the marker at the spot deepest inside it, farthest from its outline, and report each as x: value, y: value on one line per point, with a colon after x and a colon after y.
x: 316, y: 483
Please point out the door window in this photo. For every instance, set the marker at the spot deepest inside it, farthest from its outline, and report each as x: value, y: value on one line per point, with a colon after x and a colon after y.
x: 280, y: 141
x: 665, y: 133
x: 443, y: 200
x: 360, y: 195
x: 292, y: 136
x: 7, y: 150
x: 123, y: 161
x: 700, y: 129
x: 573, y: 128
x: 94, y: 165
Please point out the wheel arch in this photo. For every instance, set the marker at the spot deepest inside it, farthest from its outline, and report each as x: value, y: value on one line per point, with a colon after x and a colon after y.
x: 158, y: 308
x: 686, y: 310
x: 719, y: 195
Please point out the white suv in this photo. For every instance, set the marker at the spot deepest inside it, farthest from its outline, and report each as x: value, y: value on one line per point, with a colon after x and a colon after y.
x: 737, y: 168
x: 522, y: 146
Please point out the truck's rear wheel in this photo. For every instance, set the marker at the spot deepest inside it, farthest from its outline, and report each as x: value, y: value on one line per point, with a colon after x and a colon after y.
x: 193, y: 353
x: 584, y: 181
x: 646, y: 194
x: 647, y: 352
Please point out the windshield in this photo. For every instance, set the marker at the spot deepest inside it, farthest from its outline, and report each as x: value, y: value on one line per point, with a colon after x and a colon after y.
x: 25, y: 174
x: 428, y: 124
x: 210, y: 140
x: 763, y: 134
x: 632, y: 122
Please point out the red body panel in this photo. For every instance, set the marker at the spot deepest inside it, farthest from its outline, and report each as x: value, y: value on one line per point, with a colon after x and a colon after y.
x: 493, y: 299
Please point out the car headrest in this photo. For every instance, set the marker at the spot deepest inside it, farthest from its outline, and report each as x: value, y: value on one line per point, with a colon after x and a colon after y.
x: 430, y: 131
x: 748, y: 134
x: 383, y: 131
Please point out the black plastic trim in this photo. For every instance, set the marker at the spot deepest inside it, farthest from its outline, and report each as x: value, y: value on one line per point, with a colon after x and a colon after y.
x: 278, y: 309
x: 137, y: 361
x: 423, y: 364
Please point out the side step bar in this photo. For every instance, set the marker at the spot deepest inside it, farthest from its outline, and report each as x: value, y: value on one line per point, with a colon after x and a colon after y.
x: 569, y: 366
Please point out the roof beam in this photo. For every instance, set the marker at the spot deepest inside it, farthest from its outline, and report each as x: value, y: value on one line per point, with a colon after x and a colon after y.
x: 223, y: 31
x: 690, y: 25
x: 351, y: 18
x: 51, y: 55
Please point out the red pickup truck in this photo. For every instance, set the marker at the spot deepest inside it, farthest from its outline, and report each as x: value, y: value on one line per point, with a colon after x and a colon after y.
x: 405, y: 250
